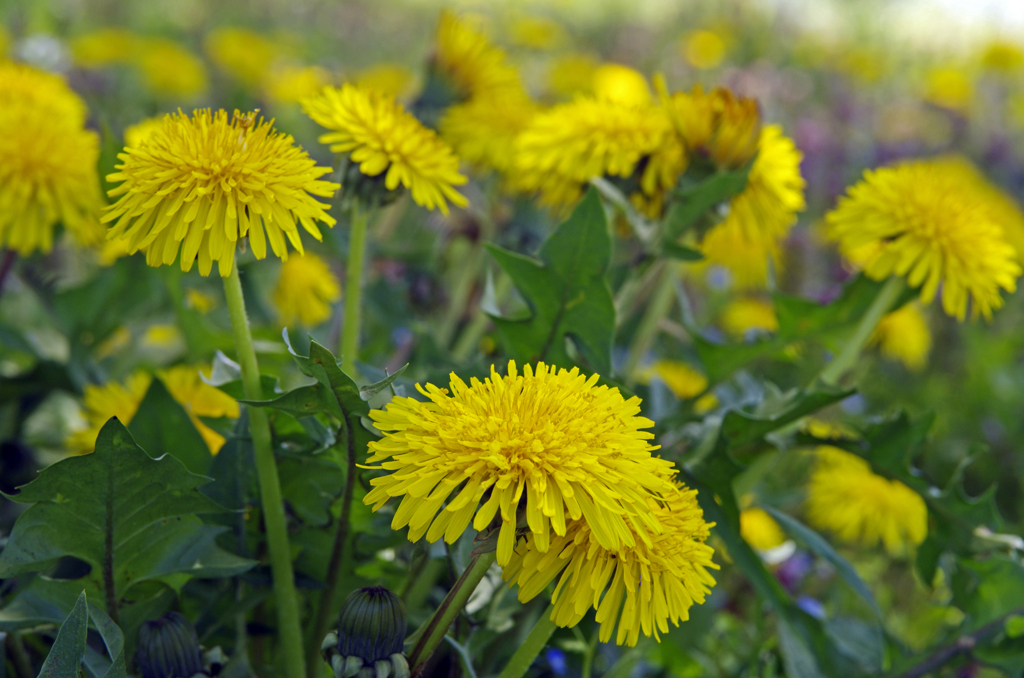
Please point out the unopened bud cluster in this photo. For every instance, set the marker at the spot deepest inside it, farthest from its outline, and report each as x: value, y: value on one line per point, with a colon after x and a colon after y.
x: 371, y: 631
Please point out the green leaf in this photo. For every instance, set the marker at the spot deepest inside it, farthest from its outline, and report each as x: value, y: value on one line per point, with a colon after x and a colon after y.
x: 131, y: 517
x: 370, y: 390
x: 1014, y: 626
x: 813, y: 541
x: 681, y: 252
x: 694, y: 201
x: 161, y: 426
x: 567, y: 292
x: 988, y: 589
x: 113, y: 639
x: 227, y: 376
x: 323, y: 366
x: 65, y: 657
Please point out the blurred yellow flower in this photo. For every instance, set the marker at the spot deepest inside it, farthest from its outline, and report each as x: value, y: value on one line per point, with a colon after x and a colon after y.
x: 572, y: 74
x: 1002, y: 57
x: 291, y: 83
x: 170, y: 70
x: 760, y: 530
x: 621, y: 85
x: 659, y: 579
x: 135, y: 134
x: 949, y: 87
x: 118, y: 341
x: 704, y: 49
x: 748, y: 313
x: 922, y: 221
x: 483, y: 130
x: 571, y: 143
x: 536, y: 32
x: 380, y: 136
x: 162, y: 336
x: 305, y: 290
x: 705, y: 403
x: 1001, y: 206
x: 245, y: 55
x: 47, y: 162
x: 717, y: 125
x: 682, y: 379
x: 394, y: 79
x: 201, y: 183
x: 199, y: 400
x: 747, y: 257
x: 200, y: 301
x: 547, y: 444
x: 903, y: 335
x: 104, y: 47
x: 102, y: 402
x: 465, y: 57
x: 845, y: 497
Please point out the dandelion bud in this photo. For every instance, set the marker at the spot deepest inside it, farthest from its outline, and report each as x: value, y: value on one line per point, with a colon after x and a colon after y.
x: 371, y: 632
x: 169, y: 648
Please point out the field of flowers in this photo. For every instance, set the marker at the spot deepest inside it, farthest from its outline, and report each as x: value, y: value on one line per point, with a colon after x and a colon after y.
x: 375, y: 339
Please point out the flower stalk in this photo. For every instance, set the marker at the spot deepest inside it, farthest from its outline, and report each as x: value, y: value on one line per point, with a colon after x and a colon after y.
x: 520, y: 662
x: 658, y: 307
x: 882, y: 304
x: 285, y: 597
x: 354, y: 289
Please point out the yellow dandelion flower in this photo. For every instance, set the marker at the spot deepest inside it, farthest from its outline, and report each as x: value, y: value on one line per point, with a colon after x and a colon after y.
x: 465, y: 56
x: 162, y: 336
x: 245, y: 55
x: 305, y: 290
x: 746, y: 314
x: 47, y: 163
x: 919, y: 220
x: 291, y: 83
x: 380, y: 135
x: 571, y: 143
x: 682, y: 379
x: 199, y: 184
x: 760, y: 530
x: 105, y: 47
x: 548, y: 444
x: 717, y: 125
x: 949, y: 87
x: 118, y: 341
x: 394, y: 79
x: 644, y: 586
x: 622, y: 85
x: 845, y: 497
x: 484, y: 129
x: 749, y: 259
x: 170, y: 70
x: 572, y: 74
x: 705, y: 403
x: 704, y: 49
x: 200, y: 301
x: 100, y: 403
x: 199, y: 400
x: 903, y: 335
x: 536, y: 33
x: 1001, y: 56
x: 135, y: 134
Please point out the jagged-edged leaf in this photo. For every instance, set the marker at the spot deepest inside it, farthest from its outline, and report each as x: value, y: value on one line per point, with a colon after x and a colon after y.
x: 988, y: 589
x: 721, y: 360
x: 567, y: 292
x: 65, y: 657
x: 818, y: 545
x: 696, y: 199
x: 227, y: 376
x: 113, y: 639
x: 129, y: 516
x: 367, y: 392
x: 162, y: 426
x: 323, y: 366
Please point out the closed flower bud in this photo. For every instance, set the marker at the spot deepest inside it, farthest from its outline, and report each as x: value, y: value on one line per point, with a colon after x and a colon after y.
x: 168, y: 648
x: 371, y: 625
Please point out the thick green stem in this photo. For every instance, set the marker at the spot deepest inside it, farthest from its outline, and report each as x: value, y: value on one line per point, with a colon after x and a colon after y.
x: 468, y: 270
x: 847, y: 357
x: 354, y: 290
x: 658, y: 307
x: 520, y: 662
x: 285, y: 598
x: 437, y: 626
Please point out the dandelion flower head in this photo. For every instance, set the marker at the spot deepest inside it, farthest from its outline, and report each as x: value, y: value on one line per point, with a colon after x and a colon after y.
x: 760, y: 530
x: 291, y: 83
x: 640, y: 587
x: 704, y: 49
x: 621, y: 84
x: 245, y: 55
x: 845, y: 497
x: 903, y: 335
x: 465, y: 56
x: 921, y: 221
x: 104, y: 47
x: 749, y: 258
x: 684, y: 380
x: 483, y: 130
x: 200, y: 183
x: 170, y: 70
x: 389, y: 78
x: 717, y: 125
x: 380, y: 136
x: 305, y: 290
x: 746, y: 314
x: 135, y: 134
x: 572, y: 74
x: 47, y: 162
x: 547, y: 444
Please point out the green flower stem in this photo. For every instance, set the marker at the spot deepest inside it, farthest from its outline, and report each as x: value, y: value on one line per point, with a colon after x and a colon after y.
x: 658, y: 307
x: 437, y: 626
x: 883, y: 303
x: 520, y: 662
x: 469, y: 265
x: 354, y: 289
x: 285, y: 598
x: 470, y: 337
